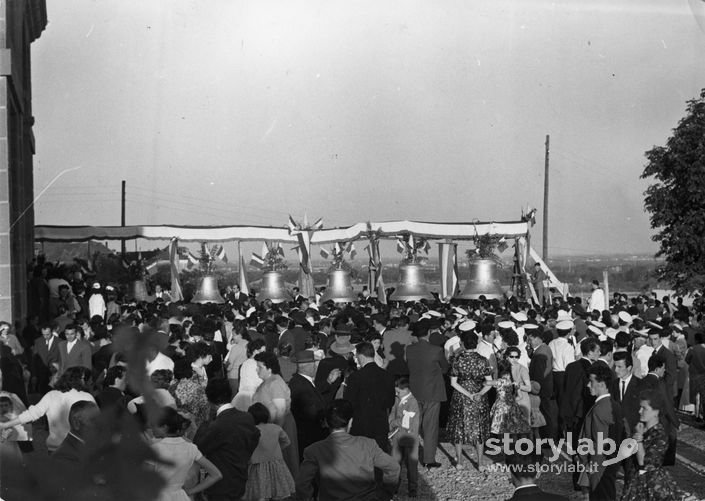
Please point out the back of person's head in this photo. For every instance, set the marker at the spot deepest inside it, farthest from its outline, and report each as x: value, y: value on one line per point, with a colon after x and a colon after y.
x: 365, y: 349
x: 588, y: 346
x: 469, y: 340
x: 198, y: 350
x: 606, y: 347
x: 622, y: 339
x: 174, y: 422
x: 218, y: 391
x: 74, y: 378
x: 656, y: 361
x: 259, y: 412
x: 82, y: 415
x: 254, y: 345
x: 504, y: 367
x: 270, y: 361
x: 112, y: 374
x: 338, y: 414
x: 161, y: 378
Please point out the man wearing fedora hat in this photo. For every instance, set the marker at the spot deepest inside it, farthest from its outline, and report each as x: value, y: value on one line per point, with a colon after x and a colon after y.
x: 339, y: 357
x: 307, y: 403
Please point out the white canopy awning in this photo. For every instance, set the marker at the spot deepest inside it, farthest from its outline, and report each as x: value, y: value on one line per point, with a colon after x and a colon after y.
x: 389, y: 229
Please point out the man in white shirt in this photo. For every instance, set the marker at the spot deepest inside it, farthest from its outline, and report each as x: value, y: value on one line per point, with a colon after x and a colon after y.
x: 485, y: 346
x: 597, y: 298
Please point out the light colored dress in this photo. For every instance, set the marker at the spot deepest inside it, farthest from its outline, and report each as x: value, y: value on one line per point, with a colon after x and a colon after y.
x: 520, y: 374
x: 249, y: 382
x: 181, y: 455
x: 271, y: 389
x: 268, y: 476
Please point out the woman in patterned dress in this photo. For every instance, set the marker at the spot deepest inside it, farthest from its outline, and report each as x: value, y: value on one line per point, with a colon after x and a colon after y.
x: 506, y: 415
x: 469, y: 419
x: 653, y: 483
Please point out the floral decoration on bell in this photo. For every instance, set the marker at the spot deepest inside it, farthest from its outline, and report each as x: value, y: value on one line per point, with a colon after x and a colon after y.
x: 209, y: 255
x: 337, y: 255
x: 271, y: 257
x: 485, y: 246
x: 410, y: 247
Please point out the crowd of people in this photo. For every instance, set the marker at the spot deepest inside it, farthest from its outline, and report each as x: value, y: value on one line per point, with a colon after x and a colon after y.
x: 309, y: 400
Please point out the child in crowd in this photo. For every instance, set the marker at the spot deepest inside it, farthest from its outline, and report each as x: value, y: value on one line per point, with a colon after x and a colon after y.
x: 537, y: 418
x: 506, y: 415
x: 268, y: 476
x: 404, y: 423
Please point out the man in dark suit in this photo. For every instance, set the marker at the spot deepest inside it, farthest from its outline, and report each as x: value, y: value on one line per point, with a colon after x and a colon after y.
x: 656, y: 338
x: 603, y: 420
x: 74, y: 352
x: 82, y: 418
x: 522, y: 473
x: 46, y: 356
x: 344, y: 466
x: 625, y: 389
x: 577, y: 399
x: 228, y: 442
x: 339, y: 357
x: 541, y: 371
x: 371, y: 392
x: 427, y: 364
x: 307, y: 404
x: 395, y: 341
x: 654, y: 380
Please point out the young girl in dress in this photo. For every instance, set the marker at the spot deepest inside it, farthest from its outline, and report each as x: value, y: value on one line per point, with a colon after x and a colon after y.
x: 537, y: 418
x: 268, y: 476
x: 179, y: 456
x: 506, y: 415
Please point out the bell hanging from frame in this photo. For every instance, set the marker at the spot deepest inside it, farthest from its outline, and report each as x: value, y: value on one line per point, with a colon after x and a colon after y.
x: 412, y: 284
x: 273, y: 288
x: 339, y: 289
x: 482, y: 281
x: 139, y: 291
x: 208, y: 291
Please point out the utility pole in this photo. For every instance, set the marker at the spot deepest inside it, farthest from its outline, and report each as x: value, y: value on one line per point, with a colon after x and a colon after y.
x: 122, y: 218
x: 545, y: 204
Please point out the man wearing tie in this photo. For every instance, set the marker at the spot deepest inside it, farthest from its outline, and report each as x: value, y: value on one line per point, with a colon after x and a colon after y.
x: 46, y: 355
x: 74, y: 352
x: 626, y: 391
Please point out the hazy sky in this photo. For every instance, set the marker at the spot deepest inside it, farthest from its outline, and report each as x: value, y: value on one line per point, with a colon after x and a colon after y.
x: 242, y: 112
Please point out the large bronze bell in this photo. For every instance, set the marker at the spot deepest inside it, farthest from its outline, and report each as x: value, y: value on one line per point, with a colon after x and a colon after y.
x: 412, y: 284
x: 208, y: 291
x: 483, y: 281
x: 339, y: 289
x: 138, y: 291
x: 273, y: 288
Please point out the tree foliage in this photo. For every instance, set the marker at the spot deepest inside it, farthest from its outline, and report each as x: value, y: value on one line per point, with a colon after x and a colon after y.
x: 676, y: 201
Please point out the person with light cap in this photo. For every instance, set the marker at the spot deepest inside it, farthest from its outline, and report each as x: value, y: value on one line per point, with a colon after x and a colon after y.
x: 307, y: 403
x: 563, y: 351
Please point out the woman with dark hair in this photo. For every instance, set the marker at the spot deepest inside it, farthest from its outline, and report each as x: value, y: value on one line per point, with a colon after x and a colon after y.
x: 237, y: 353
x: 73, y: 386
x: 276, y: 396
x: 177, y: 457
x: 249, y: 380
x: 375, y: 339
x: 200, y: 354
x: 469, y: 417
x: 520, y: 375
x: 190, y: 396
x: 653, y: 483
x: 695, y: 358
x: 506, y: 415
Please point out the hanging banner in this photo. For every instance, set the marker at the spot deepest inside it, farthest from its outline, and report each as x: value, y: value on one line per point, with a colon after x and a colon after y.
x: 176, y: 293
x: 375, y: 283
x: 448, y: 259
x: 243, y: 282
x: 303, y: 233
